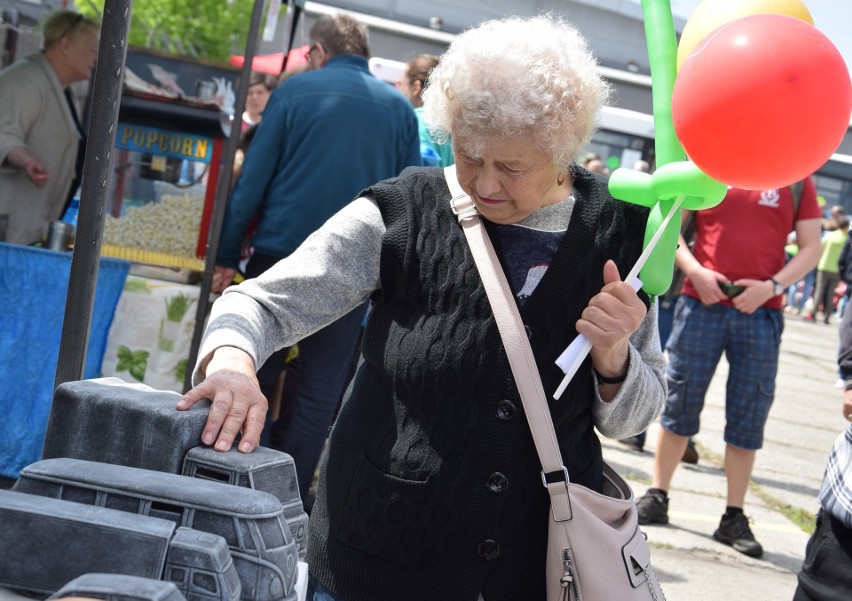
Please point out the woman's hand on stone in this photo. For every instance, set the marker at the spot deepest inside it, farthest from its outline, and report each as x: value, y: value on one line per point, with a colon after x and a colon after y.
x: 238, y: 405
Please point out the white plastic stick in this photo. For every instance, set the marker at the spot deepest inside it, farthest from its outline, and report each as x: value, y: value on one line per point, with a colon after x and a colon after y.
x: 571, y: 358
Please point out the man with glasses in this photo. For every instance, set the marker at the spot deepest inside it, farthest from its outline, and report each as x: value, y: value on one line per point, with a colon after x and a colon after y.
x: 326, y: 135
x: 731, y: 302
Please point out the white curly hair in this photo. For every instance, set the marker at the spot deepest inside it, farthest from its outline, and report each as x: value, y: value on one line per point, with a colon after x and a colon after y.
x: 517, y: 76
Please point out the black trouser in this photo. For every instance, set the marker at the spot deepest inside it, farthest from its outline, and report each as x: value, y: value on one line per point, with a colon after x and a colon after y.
x: 827, y: 570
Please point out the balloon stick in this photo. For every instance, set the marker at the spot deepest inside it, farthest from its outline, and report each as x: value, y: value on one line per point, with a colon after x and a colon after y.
x: 571, y: 358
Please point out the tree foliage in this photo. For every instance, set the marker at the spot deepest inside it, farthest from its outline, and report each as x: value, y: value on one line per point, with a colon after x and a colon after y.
x: 208, y: 29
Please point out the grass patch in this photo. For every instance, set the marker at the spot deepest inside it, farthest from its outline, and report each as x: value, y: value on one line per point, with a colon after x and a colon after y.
x: 805, y: 520
x: 636, y: 478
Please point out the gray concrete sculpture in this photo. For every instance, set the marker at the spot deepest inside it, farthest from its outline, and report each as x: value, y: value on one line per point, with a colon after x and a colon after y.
x: 265, y: 469
x: 118, y: 587
x: 48, y: 542
x: 250, y: 521
x: 111, y: 421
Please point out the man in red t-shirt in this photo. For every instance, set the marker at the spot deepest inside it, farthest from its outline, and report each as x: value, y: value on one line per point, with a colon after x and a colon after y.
x: 731, y: 303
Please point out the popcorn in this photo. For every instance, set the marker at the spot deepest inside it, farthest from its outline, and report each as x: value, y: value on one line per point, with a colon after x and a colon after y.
x: 169, y: 226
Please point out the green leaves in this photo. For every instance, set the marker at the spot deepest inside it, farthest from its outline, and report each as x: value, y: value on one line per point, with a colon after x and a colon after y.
x: 210, y: 29
x: 180, y: 370
x: 177, y: 306
x: 135, y: 362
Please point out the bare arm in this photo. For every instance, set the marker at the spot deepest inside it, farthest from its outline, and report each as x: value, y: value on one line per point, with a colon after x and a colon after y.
x: 23, y: 159
x: 810, y: 248
x: 757, y: 292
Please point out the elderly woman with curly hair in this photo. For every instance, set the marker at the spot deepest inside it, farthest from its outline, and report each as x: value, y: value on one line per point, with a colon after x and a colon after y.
x: 431, y: 488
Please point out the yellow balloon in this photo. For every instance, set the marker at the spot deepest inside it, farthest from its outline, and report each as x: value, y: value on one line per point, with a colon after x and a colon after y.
x: 711, y: 14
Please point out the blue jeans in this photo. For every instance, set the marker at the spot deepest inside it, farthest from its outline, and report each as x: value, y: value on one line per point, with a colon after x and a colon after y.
x: 318, y: 592
x: 751, y: 344
x: 807, y: 291
x: 327, y: 357
x: 665, y: 319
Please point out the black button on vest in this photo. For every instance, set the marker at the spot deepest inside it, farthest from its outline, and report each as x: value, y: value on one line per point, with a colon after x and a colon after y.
x: 488, y: 549
x: 497, y: 482
x: 506, y: 410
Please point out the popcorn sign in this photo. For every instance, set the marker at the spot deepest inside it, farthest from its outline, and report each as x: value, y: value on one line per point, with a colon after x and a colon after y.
x: 174, y: 144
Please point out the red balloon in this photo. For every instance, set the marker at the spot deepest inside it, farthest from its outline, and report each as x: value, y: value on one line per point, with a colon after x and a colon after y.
x: 762, y: 102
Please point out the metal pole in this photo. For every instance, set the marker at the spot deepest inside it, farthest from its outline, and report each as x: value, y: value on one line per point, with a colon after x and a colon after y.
x: 222, y: 191
x: 83, y: 279
x: 298, y: 8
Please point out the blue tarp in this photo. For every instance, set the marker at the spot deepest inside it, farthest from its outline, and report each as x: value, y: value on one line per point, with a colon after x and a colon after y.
x: 33, y: 287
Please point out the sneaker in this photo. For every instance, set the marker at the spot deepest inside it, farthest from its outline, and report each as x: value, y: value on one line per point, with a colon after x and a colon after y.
x: 637, y: 443
x: 690, y: 455
x: 735, y: 531
x: 653, y: 508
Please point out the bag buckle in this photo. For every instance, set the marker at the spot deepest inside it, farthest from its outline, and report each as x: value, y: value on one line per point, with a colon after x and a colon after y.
x: 462, y: 206
x: 544, y: 477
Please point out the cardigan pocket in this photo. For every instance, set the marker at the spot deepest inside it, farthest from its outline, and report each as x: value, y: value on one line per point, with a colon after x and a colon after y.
x: 385, y: 516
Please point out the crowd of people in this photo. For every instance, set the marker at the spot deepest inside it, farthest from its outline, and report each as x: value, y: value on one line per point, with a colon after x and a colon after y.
x: 827, y: 287
x: 429, y: 486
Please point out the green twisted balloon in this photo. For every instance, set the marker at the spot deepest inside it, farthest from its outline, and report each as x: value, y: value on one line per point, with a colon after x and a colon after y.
x: 676, y: 182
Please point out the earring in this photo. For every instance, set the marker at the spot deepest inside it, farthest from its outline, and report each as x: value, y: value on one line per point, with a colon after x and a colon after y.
x: 560, y: 179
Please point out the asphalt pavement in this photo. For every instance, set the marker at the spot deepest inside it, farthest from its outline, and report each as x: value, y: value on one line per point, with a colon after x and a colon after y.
x: 805, y: 419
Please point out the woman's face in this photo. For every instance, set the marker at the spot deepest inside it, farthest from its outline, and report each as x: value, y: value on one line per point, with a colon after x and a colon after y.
x: 81, y: 54
x: 512, y: 178
x: 256, y: 98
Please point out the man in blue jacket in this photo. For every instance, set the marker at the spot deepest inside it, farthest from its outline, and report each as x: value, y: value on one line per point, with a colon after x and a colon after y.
x: 325, y: 136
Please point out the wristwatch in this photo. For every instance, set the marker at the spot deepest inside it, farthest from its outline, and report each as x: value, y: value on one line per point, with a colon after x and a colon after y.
x: 777, y: 288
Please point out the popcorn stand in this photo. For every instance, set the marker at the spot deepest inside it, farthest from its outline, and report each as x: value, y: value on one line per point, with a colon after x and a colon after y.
x: 166, y: 164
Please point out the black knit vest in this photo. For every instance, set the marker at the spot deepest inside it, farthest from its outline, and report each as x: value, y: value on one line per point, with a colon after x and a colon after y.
x: 432, y: 487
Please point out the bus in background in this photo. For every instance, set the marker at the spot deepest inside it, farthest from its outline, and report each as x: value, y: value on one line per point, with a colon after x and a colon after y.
x: 834, y: 183
x: 622, y: 138
x: 387, y: 70
x: 626, y: 136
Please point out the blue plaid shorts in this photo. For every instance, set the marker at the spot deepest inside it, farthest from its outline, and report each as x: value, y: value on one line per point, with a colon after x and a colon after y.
x: 751, y: 343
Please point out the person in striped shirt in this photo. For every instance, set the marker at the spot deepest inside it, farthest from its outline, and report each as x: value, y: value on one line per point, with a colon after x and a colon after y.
x: 827, y: 569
